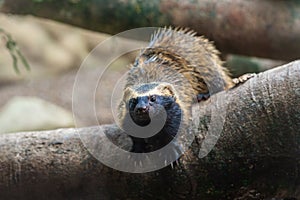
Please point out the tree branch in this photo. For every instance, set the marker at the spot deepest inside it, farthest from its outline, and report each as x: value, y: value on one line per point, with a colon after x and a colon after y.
x: 257, y: 153
x: 237, y: 26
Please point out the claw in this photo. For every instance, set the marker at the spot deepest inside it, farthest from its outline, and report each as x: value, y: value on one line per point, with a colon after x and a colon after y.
x: 141, y: 164
x: 243, y: 78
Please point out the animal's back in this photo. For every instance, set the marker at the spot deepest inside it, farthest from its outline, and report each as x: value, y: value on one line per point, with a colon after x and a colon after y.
x: 193, y: 56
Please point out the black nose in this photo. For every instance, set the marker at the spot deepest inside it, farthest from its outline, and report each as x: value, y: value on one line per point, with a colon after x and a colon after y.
x: 142, y: 109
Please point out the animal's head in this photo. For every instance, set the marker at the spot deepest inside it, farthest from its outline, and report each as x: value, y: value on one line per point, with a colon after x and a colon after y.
x: 146, y: 101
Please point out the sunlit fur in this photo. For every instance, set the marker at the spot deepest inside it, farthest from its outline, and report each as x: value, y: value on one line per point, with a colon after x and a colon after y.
x: 193, y: 56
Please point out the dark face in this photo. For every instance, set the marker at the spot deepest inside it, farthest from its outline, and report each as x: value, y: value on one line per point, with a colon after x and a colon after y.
x: 141, y: 107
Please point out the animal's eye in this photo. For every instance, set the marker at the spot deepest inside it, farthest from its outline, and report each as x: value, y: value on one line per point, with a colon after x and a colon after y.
x: 133, y: 101
x: 152, y: 98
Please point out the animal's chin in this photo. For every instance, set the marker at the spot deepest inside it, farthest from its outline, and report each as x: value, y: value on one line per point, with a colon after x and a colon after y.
x: 142, y: 119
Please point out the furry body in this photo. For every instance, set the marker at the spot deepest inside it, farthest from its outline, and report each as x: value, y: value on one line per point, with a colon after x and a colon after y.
x: 170, y: 73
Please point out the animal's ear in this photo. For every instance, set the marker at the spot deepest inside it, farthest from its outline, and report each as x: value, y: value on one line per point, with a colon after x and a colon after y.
x: 128, y: 93
x: 167, y: 89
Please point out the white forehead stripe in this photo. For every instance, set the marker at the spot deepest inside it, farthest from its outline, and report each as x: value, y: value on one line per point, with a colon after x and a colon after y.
x: 153, y: 91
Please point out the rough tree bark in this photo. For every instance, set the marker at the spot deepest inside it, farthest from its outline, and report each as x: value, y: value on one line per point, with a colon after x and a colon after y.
x: 257, y: 154
x: 262, y: 28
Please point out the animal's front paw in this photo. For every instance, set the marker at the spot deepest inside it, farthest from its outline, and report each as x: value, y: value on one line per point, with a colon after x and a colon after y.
x: 201, y: 97
x: 243, y: 78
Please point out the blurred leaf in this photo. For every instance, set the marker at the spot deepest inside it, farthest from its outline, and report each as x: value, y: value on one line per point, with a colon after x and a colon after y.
x: 24, y: 61
x: 15, y: 63
x: 14, y: 51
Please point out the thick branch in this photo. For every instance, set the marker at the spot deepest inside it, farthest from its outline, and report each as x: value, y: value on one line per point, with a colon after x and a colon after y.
x: 256, y: 28
x: 258, y: 151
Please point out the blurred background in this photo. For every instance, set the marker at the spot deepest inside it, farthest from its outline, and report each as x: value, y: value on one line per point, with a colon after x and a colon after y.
x: 41, y: 98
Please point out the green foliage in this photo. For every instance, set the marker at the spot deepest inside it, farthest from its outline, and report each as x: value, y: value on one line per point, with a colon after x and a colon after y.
x: 37, y: 1
x: 14, y: 51
x: 239, y: 65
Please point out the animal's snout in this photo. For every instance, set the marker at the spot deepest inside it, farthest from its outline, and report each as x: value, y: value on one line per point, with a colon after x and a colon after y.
x: 142, y: 109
